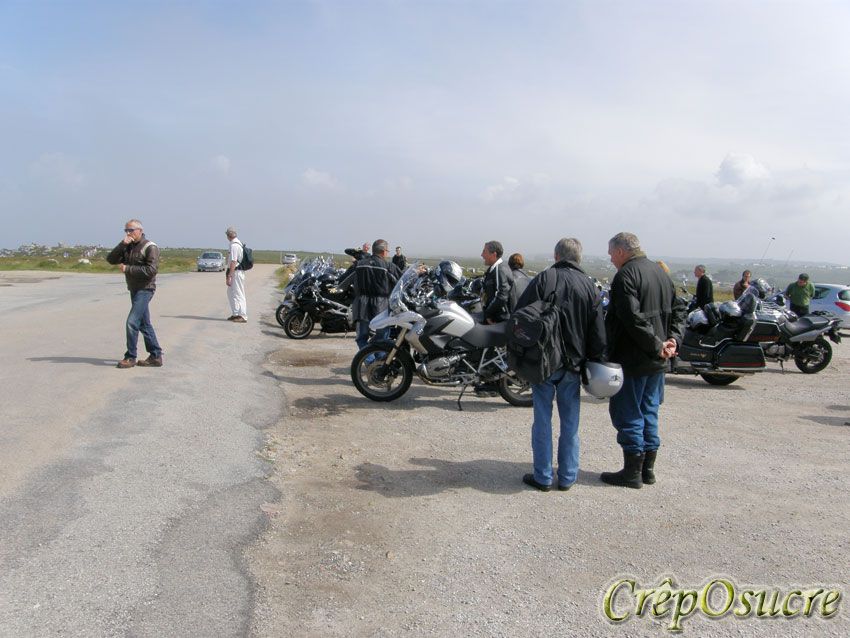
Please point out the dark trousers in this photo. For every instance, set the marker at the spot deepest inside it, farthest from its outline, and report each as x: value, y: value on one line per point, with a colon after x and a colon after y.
x: 800, y: 311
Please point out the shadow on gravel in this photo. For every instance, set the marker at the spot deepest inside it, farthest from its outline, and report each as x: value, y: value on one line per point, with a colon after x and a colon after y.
x: 415, y: 398
x: 829, y: 420
x: 437, y: 475
x: 88, y: 360
x: 308, y: 380
x: 196, y: 317
x: 698, y: 384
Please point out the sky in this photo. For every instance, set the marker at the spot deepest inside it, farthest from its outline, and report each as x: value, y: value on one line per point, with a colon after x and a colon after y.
x: 704, y: 127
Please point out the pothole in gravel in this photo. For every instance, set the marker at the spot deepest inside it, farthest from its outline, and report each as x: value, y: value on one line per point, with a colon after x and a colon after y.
x: 317, y: 407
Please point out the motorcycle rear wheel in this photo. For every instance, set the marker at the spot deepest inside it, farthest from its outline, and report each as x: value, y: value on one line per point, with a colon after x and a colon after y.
x: 719, y: 379
x: 298, y: 325
x: 814, y: 357
x: 378, y: 381
x: 515, y: 391
x: 281, y: 313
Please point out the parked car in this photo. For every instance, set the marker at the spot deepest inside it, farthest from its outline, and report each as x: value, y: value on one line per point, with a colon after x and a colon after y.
x: 288, y: 258
x: 211, y: 262
x: 833, y: 299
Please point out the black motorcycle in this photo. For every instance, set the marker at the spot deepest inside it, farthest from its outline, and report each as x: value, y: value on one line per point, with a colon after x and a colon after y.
x: 783, y: 336
x: 319, y: 303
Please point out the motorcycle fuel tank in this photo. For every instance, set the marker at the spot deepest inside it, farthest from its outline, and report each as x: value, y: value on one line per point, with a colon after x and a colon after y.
x: 461, y: 322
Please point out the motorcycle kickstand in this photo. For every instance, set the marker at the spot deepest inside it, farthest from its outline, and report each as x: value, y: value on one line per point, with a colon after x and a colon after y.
x: 460, y: 396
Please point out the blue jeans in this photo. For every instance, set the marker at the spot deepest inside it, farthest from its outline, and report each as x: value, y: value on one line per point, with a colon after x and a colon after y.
x: 563, y: 386
x: 139, y: 319
x: 362, y: 334
x: 634, y: 412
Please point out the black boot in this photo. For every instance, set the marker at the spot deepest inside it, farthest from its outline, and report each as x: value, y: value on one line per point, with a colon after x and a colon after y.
x: 629, y: 476
x: 647, y: 474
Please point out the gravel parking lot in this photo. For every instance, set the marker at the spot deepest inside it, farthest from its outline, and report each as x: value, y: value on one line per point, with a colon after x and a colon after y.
x: 410, y: 518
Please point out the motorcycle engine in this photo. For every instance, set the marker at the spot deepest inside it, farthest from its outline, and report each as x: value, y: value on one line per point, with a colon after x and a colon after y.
x: 775, y: 350
x: 440, y: 367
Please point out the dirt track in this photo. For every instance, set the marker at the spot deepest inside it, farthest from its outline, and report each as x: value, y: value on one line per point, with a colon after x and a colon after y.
x: 410, y: 518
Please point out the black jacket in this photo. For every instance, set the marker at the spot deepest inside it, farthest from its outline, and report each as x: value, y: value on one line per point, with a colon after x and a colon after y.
x: 582, y: 325
x: 142, y: 261
x: 373, y: 280
x: 705, y: 292
x: 496, y: 294
x: 400, y: 262
x: 644, y: 312
x: 521, y: 281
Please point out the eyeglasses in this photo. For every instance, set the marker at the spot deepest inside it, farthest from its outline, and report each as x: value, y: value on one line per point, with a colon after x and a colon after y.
x: 131, y: 230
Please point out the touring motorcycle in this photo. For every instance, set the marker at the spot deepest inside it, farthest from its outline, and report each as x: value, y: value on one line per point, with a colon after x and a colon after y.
x: 437, y: 340
x: 315, y: 299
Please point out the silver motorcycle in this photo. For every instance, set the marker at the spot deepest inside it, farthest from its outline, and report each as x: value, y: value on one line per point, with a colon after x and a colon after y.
x: 437, y: 340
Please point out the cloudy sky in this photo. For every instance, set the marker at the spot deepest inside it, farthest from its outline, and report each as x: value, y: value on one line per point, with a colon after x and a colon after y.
x: 704, y: 127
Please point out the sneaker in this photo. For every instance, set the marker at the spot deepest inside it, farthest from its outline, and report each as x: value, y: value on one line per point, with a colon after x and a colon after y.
x: 151, y: 361
x: 238, y: 319
x: 126, y: 363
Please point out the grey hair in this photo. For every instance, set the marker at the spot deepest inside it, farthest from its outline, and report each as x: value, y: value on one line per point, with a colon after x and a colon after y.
x: 568, y: 249
x: 495, y: 247
x: 230, y: 232
x: 380, y: 246
x: 701, y: 267
x: 136, y: 222
x: 627, y: 241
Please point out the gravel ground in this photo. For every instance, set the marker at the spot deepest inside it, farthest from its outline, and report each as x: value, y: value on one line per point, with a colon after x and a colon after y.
x: 410, y: 518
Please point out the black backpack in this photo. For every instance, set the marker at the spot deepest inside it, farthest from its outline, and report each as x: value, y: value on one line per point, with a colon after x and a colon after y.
x: 535, y: 349
x: 247, y: 258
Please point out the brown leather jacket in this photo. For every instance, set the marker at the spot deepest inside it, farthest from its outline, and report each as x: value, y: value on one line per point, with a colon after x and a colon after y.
x: 142, y: 261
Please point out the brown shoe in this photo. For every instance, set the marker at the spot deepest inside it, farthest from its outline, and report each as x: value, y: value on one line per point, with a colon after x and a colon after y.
x: 232, y: 317
x: 152, y: 361
x: 126, y: 363
x: 239, y: 319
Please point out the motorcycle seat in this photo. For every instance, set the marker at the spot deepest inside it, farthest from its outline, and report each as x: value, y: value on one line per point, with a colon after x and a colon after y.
x: 804, y: 324
x: 487, y: 336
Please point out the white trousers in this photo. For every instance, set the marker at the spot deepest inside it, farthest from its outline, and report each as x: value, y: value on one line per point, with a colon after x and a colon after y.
x: 236, y: 294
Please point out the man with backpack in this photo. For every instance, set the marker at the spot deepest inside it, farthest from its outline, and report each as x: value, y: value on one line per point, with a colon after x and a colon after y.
x: 565, y: 294
x: 236, y: 279
x: 645, y: 324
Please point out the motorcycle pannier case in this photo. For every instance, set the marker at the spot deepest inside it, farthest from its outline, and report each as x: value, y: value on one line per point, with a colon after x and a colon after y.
x: 741, y: 356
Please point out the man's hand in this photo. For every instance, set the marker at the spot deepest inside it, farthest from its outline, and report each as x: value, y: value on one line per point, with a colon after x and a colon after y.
x: 668, y: 349
x: 123, y: 267
x: 128, y: 238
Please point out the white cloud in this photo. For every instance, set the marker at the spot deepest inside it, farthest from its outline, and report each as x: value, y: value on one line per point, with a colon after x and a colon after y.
x: 220, y: 164
x: 505, y: 189
x: 737, y: 169
x: 59, y: 169
x: 318, y: 179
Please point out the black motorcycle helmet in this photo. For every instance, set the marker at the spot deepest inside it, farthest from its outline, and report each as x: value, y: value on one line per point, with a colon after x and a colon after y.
x: 760, y: 287
x: 448, y: 275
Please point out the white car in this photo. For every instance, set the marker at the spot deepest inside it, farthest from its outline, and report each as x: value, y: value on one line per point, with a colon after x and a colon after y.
x: 211, y: 262
x: 833, y: 299
x: 288, y: 258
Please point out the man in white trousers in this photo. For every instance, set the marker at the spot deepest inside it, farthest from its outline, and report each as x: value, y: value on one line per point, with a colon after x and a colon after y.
x: 236, y: 280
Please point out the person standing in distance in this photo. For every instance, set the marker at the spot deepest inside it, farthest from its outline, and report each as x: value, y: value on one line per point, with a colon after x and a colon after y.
x: 399, y: 259
x: 236, y: 280
x: 498, y: 284
x: 800, y: 294
x: 741, y: 286
x: 139, y: 261
x: 582, y: 338
x: 644, y: 325
x: 705, y: 289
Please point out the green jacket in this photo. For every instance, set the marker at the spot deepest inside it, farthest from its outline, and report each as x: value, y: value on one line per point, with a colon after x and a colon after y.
x: 800, y: 295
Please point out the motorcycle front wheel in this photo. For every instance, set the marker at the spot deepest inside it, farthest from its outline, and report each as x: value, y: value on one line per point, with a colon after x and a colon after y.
x: 298, y: 325
x: 719, y: 379
x: 280, y: 314
x: 377, y: 380
x: 515, y: 391
x: 814, y: 357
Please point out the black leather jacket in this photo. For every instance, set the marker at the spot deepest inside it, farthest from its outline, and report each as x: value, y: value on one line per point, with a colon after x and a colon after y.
x: 582, y: 325
x: 496, y: 293
x: 644, y: 312
x: 373, y: 280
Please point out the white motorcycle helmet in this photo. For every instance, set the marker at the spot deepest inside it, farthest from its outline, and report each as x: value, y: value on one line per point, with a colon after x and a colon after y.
x: 602, y: 380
